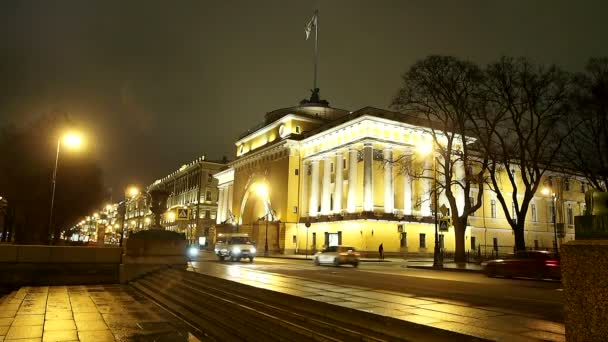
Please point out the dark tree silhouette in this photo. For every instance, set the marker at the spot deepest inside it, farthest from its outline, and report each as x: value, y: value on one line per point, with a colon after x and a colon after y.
x: 586, y: 152
x: 26, y: 166
x: 445, y: 92
x: 522, y: 132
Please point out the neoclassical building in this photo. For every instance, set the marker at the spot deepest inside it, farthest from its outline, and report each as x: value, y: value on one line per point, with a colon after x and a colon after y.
x: 311, y: 176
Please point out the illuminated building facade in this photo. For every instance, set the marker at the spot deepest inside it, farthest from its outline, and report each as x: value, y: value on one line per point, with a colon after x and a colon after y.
x: 334, y: 170
x: 193, y: 188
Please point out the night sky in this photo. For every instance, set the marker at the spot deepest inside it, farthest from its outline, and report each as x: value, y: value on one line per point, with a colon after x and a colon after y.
x: 159, y: 83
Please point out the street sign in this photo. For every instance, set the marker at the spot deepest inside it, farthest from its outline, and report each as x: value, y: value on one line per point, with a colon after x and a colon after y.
x: 443, y: 225
x: 183, y: 214
x: 443, y: 210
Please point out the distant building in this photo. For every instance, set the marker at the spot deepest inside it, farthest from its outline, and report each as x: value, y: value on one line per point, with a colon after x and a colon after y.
x: 328, y: 167
x: 193, y: 188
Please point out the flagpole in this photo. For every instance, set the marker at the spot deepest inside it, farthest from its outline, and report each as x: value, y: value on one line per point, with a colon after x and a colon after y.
x: 316, y: 47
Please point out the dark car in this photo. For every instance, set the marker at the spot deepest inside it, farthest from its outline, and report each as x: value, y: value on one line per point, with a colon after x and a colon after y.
x: 532, y: 264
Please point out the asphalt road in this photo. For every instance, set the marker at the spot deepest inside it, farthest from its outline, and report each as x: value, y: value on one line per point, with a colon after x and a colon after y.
x: 540, y: 299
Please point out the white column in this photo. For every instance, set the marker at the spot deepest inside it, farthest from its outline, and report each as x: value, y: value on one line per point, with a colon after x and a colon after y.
x: 338, y: 184
x: 220, y: 206
x: 460, y: 174
x: 326, y: 194
x: 389, y: 190
x: 225, y: 204
x: 427, y: 186
x: 314, y: 189
x: 229, y: 202
x: 351, y: 204
x: 407, y: 193
x: 368, y: 190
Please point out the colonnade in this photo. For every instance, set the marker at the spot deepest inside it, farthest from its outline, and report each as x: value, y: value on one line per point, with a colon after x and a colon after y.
x: 224, y: 202
x: 320, y: 185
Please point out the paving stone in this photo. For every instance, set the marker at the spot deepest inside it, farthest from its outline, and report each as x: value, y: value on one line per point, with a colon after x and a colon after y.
x: 51, y: 316
x: 25, y: 340
x: 57, y: 336
x: 59, y: 325
x: 23, y: 320
x: 87, y: 316
x: 91, y: 325
x: 3, y: 331
x: 96, y: 336
x: 31, y: 311
x: 6, y: 321
x: 24, y: 332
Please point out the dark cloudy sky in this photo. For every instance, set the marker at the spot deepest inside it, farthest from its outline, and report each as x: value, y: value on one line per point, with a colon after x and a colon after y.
x: 159, y: 83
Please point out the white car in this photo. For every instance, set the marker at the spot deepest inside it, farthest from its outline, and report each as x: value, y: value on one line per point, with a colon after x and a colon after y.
x: 337, y: 255
x: 234, y: 247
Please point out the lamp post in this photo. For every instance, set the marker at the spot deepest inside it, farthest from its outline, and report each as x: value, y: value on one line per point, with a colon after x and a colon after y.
x: 425, y: 149
x: 548, y: 190
x: 71, y: 140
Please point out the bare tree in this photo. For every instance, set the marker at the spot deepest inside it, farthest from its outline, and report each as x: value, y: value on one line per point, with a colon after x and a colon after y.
x: 445, y: 92
x: 522, y: 132
x: 586, y: 152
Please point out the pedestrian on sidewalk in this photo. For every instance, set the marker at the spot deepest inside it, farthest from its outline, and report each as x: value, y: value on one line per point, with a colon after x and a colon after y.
x: 381, y: 251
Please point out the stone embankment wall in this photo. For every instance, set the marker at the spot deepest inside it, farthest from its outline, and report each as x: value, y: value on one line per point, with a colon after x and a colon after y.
x: 58, y: 265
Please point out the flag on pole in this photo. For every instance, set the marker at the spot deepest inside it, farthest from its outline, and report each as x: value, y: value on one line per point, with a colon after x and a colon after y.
x: 312, y: 23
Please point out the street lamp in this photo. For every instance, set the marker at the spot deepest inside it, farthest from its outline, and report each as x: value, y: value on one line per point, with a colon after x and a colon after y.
x: 426, y: 148
x: 548, y: 190
x: 262, y: 191
x: 71, y: 140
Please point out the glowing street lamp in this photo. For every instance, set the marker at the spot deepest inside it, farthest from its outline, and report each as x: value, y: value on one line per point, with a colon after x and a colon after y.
x: 425, y: 148
x: 171, y: 216
x: 132, y: 191
x: 548, y: 191
x: 71, y: 140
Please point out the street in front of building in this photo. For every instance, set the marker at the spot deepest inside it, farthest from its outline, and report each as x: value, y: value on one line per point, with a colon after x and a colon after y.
x: 493, y: 308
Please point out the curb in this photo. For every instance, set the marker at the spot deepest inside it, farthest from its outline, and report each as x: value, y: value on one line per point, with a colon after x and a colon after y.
x: 444, y: 269
x: 310, y: 258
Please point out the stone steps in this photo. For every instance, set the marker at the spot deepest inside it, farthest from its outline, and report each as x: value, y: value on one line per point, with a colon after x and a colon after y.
x: 227, y: 310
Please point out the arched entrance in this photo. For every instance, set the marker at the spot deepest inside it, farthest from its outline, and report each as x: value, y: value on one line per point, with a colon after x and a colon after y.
x: 258, y: 218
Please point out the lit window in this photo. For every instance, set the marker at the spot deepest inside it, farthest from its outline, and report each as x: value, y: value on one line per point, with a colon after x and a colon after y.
x: 493, y: 208
x: 534, y: 216
x: 298, y: 129
x: 570, y: 216
x: 422, y: 240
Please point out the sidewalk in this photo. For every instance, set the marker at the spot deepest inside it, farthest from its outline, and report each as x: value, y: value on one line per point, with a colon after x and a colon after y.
x: 97, y: 313
x: 447, y: 266
x: 310, y: 257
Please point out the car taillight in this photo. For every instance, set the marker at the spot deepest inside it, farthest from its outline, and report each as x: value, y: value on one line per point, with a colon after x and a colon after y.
x: 551, y: 263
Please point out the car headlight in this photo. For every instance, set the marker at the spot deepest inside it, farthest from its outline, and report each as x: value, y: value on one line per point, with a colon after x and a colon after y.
x: 224, y: 250
x: 193, y: 251
x: 252, y: 250
x: 217, y: 250
x: 236, y: 250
